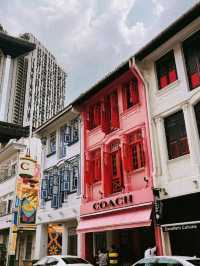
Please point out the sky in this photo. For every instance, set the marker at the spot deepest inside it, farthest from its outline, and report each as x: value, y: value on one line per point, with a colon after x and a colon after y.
x: 90, y: 38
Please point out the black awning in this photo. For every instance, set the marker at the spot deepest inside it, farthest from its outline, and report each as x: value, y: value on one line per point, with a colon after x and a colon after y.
x: 14, y: 46
x: 12, y: 131
x: 181, y: 209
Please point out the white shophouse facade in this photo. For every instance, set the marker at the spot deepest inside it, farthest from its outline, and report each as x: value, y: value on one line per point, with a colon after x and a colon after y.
x: 60, y: 185
x: 173, y: 92
x: 10, y: 154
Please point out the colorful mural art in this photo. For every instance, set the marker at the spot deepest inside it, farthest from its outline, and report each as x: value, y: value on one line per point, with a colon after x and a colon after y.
x: 27, y: 193
x: 55, y: 233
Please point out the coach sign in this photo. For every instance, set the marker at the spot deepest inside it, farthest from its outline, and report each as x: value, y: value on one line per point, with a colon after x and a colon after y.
x: 120, y: 201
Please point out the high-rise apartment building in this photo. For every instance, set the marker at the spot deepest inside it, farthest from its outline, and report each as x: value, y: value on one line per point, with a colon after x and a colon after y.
x: 37, y: 87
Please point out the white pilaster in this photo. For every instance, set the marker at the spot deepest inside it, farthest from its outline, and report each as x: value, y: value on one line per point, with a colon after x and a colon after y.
x: 65, y: 240
x: 41, y: 241
x: 163, y: 149
x: 193, y: 137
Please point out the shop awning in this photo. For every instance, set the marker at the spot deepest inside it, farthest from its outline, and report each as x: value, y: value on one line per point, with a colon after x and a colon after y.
x: 114, y: 221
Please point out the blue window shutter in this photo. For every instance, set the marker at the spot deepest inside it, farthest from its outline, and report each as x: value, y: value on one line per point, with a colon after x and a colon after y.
x: 61, y: 176
x: 75, y: 177
x: 66, y: 180
x: 55, y: 191
x: 54, y: 201
x: 44, y: 188
x: 67, y: 134
x: 50, y: 187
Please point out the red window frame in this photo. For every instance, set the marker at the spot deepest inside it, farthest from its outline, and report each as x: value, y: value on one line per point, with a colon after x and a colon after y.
x: 116, y: 167
x: 93, y: 167
x: 130, y: 93
x: 166, y: 70
x: 94, y: 116
x: 176, y: 135
x: 137, y: 149
x: 96, y: 161
x: 110, y: 113
x: 113, y: 169
x: 191, y: 49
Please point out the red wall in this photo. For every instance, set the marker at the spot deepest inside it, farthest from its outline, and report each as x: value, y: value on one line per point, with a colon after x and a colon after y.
x: 129, y: 120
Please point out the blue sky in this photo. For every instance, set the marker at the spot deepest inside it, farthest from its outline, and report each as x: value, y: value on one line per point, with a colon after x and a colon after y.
x: 90, y: 37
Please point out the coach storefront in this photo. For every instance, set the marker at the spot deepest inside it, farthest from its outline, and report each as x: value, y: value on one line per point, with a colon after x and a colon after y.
x: 180, y: 225
x: 117, y: 220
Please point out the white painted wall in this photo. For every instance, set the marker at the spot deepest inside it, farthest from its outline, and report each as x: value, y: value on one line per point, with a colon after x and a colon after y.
x: 181, y: 175
x: 69, y: 213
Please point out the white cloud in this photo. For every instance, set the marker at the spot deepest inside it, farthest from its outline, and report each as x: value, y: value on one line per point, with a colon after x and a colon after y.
x: 89, y: 37
x: 158, y: 8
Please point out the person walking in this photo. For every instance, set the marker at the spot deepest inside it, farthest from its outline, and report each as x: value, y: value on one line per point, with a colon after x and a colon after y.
x: 113, y: 256
x: 103, y: 257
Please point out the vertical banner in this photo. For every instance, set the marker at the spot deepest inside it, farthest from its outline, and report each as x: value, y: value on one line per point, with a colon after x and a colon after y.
x: 12, y: 240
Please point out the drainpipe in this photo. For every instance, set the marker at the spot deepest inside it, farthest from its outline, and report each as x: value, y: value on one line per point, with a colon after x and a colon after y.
x: 157, y: 228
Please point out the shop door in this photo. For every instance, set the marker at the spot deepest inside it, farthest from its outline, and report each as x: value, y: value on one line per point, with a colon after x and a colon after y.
x: 126, y: 247
x: 185, y: 243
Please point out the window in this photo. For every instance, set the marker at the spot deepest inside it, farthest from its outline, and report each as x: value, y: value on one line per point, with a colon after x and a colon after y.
x: 133, y: 151
x: 65, y: 139
x: 176, y: 135
x: 52, y: 143
x: 130, y: 94
x: 69, y: 134
x: 72, y: 260
x: 113, y: 168
x: 197, y: 114
x: 191, y: 48
x: 110, y: 113
x: 74, y: 130
x: 95, y: 166
x: 94, y: 116
x: 9, y: 207
x: 137, y: 151
x: 166, y: 70
x: 61, y: 181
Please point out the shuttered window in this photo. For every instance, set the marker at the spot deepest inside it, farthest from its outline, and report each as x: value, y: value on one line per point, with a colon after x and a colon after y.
x: 133, y: 151
x: 95, y: 159
x: 191, y: 48
x: 65, y: 139
x: 116, y: 167
x: 52, y: 143
x: 176, y: 135
x: 110, y: 113
x: 59, y: 182
x: 166, y: 70
x: 94, y: 116
x: 130, y: 93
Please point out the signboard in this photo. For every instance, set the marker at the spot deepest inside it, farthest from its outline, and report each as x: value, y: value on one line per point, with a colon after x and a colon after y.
x: 13, y: 240
x: 120, y: 201
x: 27, y: 196
x: 181, y: 227
x: 26, y: 167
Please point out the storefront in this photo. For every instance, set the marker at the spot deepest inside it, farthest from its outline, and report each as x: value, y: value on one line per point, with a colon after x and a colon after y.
x: 58, y: 240
x: 117, y: 220
x: 180, y: 223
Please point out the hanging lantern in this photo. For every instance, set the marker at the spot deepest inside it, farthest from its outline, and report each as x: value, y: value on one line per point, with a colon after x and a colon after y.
x: 26, y: 167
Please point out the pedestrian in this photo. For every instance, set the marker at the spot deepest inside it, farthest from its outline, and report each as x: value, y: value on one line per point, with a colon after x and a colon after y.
x: 96, y: 258
x: 113, y: 256
x: 150, y: 252
x: 103, y: 257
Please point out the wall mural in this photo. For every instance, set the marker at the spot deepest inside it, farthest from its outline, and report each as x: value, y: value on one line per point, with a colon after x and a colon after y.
x: 27, y: 191
x: 55, y: 233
